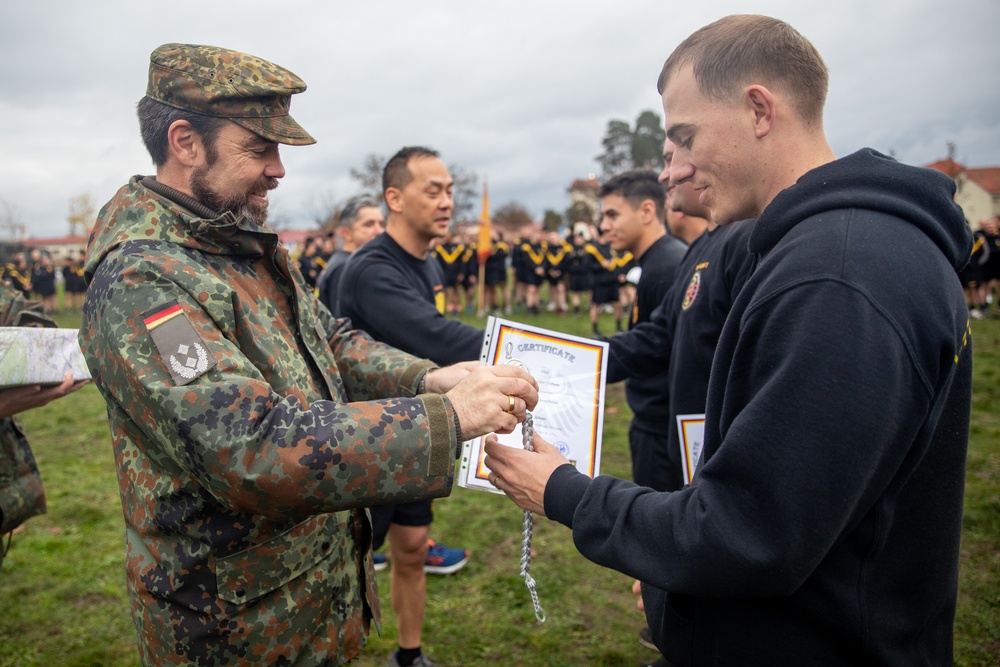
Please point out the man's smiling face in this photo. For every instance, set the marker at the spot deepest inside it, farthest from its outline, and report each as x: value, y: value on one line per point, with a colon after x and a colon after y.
x: 713, y: 149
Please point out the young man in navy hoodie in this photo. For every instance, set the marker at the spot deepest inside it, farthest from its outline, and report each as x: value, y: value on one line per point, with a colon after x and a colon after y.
x: 822, y: 526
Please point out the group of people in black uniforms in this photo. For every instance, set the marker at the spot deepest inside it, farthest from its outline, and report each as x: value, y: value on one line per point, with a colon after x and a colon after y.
x: 316, y: 251
x: 981, y: 277
x: 574, y: 265
x: 459, y: 262
x: 36, y: 275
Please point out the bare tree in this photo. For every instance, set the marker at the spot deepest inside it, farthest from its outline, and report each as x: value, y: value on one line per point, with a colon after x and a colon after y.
x: 277, y: 218
x: 369, y: 177
x: 11, y: 221
x: 323, y: 209
x: 466, y: 193
x: 512, y: 215
x: 82, y: 213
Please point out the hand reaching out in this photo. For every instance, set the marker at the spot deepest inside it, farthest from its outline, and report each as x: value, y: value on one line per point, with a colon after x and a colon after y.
x: 18, y: 399
x: 521, y: 474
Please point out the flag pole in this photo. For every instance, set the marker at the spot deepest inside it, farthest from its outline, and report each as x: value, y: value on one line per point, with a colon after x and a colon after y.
x: 483, y: 249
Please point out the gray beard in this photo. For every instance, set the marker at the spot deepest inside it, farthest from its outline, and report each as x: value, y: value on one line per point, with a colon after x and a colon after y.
x: 237, y: 205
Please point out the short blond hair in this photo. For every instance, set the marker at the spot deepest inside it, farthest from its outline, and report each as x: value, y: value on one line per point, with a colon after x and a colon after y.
x: 743, y: 49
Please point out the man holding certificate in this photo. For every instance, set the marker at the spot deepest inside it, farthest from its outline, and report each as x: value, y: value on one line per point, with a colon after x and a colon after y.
x: 838, y: 408
x: 251, y: 429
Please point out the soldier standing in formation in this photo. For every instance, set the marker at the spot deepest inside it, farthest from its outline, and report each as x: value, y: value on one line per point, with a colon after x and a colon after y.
x: 449, y: 254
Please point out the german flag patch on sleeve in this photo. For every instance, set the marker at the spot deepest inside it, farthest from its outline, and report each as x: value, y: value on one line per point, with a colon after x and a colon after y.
x: 181, y: 347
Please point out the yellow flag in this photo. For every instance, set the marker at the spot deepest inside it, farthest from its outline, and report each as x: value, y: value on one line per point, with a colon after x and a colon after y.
x: 484, y: 227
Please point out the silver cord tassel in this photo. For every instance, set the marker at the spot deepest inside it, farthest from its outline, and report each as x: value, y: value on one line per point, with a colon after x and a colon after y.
x: 528, y: 431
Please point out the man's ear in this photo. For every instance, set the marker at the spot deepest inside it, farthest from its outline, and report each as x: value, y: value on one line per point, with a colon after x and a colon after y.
x: 345, y: 233
x: 648, y: 210
x: 184, y: 144
x: 760, y: 102
x: 393, y: 199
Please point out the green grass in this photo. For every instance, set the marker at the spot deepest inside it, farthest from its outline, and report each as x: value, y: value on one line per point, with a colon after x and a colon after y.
x: 62, y: 592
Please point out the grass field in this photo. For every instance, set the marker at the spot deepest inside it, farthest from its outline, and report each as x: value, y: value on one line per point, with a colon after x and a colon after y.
x: 62, y: 594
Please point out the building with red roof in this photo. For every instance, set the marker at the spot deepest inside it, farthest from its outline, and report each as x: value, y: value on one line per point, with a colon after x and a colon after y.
x: 977, y: 189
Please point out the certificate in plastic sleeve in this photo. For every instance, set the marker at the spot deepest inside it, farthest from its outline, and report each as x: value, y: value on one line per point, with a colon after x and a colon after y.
x: 570, y: 372
x: 691, y: 429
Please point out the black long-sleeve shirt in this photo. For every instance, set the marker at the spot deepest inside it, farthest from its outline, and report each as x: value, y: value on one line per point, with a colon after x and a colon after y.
x: 674, y: 346
x: 649, y: 397
x: 399, y: 300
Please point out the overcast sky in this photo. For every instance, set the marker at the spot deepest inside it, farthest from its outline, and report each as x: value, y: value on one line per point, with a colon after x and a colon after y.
x: 518, y: 91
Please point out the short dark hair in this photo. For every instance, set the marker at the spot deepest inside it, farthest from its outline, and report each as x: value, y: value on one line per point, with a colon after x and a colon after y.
x: 396, y: 173
x: 635, y: 187
x: 743, y: 49
x: 352, y: 209
x: 155, y: 118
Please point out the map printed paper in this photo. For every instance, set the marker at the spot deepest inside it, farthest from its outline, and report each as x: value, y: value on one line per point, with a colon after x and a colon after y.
x: 32, y: 355
x: 570, y: 413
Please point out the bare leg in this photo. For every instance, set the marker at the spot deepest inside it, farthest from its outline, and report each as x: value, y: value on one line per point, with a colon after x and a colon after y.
x: 408, y: 545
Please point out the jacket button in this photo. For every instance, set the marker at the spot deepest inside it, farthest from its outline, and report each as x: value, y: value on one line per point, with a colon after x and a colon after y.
x: 240, y: 592
x: 325, y: 546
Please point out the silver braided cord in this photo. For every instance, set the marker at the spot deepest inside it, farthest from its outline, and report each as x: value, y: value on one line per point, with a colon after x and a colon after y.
x: 528, y: 430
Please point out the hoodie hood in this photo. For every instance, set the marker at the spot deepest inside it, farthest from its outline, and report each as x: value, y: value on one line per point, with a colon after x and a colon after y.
x: 869, y: 180
x: 148, y: 211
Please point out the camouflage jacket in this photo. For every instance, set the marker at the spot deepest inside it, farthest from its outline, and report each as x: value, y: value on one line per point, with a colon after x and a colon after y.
x: 21, y: 492
x: 250, y: 428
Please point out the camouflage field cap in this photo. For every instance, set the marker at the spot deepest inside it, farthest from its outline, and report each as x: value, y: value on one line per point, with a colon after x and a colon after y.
x: 220, y: 82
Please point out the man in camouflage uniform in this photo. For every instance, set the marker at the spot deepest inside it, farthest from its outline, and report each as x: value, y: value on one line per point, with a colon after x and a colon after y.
x: 250, y: 427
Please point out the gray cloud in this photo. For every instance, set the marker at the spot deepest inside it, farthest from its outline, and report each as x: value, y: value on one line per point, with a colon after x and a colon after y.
x: 518, y: 91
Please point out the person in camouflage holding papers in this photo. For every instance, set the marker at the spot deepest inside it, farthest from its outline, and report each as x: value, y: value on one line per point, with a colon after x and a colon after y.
x: 250, y: 427
x: 21, y: 493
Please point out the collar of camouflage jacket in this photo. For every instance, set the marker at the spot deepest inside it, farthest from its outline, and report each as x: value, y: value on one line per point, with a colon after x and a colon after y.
x: 146, y: 211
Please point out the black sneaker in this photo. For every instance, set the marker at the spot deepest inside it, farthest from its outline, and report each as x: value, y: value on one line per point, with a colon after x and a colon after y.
x: 421, y: 661
x: 646, y: 639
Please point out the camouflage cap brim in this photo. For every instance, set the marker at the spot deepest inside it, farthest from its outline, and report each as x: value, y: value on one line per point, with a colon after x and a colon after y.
x: 282, y: 129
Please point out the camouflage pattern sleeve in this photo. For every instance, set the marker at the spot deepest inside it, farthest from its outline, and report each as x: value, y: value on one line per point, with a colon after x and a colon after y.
x: 16, y: 311
x: 367, y: 367
x: 251, y: 427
